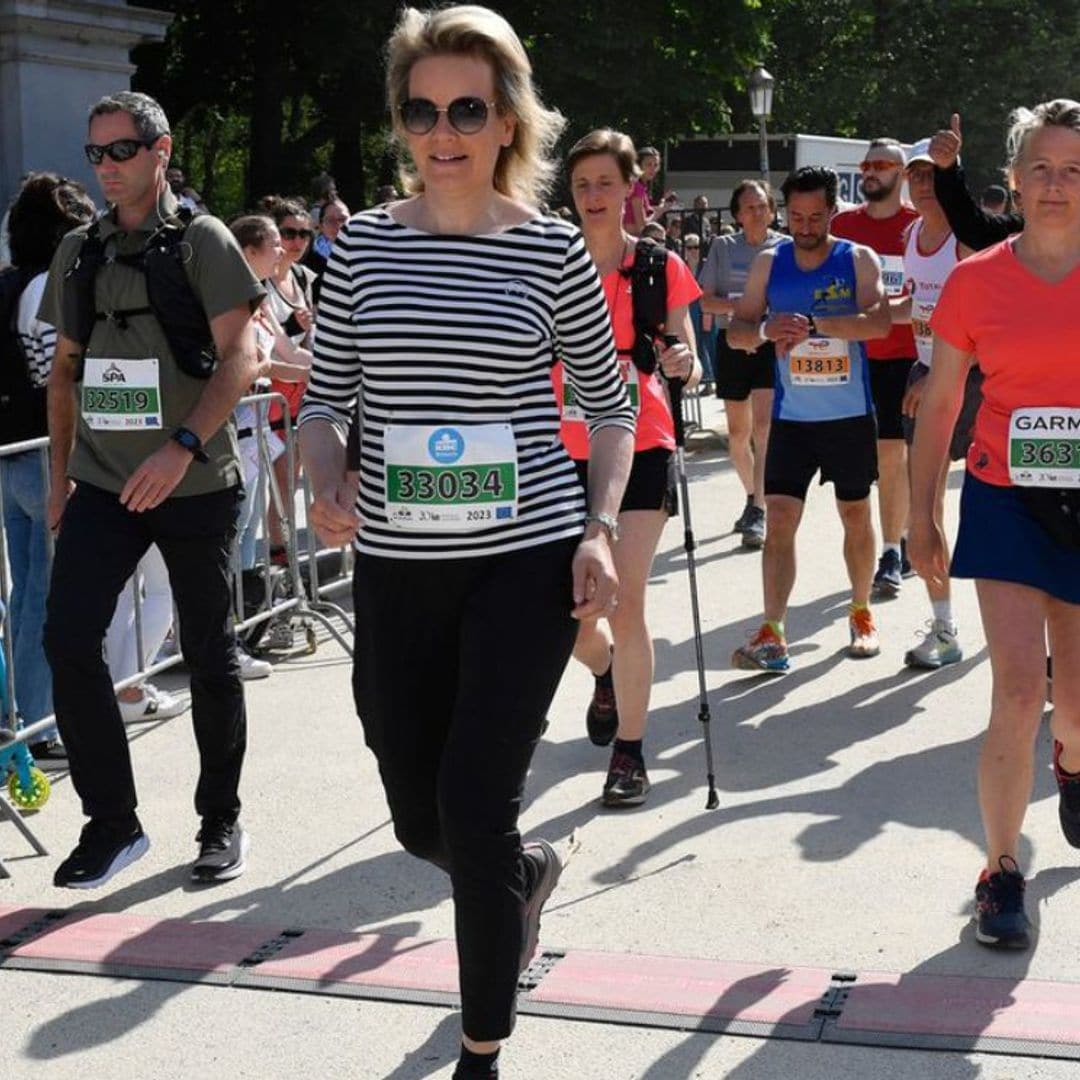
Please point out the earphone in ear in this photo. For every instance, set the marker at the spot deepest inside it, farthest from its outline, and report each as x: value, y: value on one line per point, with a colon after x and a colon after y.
x: 161, y: 154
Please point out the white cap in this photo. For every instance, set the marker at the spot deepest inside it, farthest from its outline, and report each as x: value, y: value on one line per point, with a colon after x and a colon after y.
x: 919, y: 152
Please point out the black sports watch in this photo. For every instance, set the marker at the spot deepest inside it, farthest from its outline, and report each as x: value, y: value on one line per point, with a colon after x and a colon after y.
x: 190, y: 442
x: 813, y: 325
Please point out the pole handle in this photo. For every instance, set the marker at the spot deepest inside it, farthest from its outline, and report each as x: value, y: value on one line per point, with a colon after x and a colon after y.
x: 675, y: 389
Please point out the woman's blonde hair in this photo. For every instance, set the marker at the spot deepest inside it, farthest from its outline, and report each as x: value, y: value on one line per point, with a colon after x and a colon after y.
x: 1023, y: 123
x: 526, y: 168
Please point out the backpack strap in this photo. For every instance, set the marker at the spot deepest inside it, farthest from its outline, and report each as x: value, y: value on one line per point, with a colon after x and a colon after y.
x: 648, y: 293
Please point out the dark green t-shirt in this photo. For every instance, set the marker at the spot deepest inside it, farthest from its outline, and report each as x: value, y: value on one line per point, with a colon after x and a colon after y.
x: 133, y: 368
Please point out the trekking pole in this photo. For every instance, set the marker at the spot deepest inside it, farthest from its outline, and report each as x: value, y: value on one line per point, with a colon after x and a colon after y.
x: 675, y: 388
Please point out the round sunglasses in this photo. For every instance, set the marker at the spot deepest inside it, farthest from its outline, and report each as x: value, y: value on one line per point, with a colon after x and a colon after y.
x: 118, y: 149
x: 467, y: 115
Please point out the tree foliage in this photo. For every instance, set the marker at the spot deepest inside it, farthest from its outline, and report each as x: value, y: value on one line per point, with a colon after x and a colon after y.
x: 263, y: 103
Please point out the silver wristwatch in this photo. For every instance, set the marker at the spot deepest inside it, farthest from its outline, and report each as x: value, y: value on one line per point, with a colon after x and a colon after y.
x: 605, y: 521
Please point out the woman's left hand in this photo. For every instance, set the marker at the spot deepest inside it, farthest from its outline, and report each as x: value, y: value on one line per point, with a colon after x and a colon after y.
x: 596, y: 584
x: 677, y: 362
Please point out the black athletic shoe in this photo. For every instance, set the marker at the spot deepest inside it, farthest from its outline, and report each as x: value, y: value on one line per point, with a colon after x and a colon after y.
x: 743, y: 521
x: 602, y: 715
x: 103, y: 850
x: 753, y: 536
x: 548, y: 871
x: 223, y: 848
x: 1000, y: 921
x: 1068, y: 799
x: 906, y: 569
x: 627, y: 783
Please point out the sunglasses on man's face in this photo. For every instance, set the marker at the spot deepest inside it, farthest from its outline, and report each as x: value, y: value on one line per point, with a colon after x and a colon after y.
x: 878, y: 166
x: 467, y: 115
x: 118, y: 149
x: 296, y: 234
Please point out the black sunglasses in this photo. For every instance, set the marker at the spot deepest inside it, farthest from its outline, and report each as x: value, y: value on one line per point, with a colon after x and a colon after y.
x: 296, y: 234
x: 118, y: 149
x: 467, y: 115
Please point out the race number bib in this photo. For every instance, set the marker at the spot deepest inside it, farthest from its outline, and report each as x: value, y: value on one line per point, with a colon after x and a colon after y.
x: 892, y: 274
x: 1044, y: 448
x: 454, y: 477
x: 121, y: 395
x: 921, y: 311
x: 820, y: 362
x: 628, y: 372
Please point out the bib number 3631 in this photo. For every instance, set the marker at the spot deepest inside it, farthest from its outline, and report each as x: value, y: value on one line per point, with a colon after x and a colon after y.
x: 121, y: 395
x: 1044, y: 447
x: 455, y: 477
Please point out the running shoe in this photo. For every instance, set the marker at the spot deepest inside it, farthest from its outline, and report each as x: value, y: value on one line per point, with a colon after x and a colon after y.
x: 765, y: 651
x: 602, y: 715
x: 548, y: 871
x: 906, y: 569
x: 48, y: 750
x: 250, y: 667
x: 1068, y: 799
x: 223, y: 848
x: 154, y: 704
x: 627, y: 783
x: 743, y: 520
x: 1000, y: 921
x: 937, y: 648
x: 864, y: 635
x: 888, y: 578
x: 753, y: 536
x: 103, y: 850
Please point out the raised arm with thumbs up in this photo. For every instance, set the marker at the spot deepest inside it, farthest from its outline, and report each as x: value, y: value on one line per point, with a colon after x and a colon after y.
x: 971, y: 225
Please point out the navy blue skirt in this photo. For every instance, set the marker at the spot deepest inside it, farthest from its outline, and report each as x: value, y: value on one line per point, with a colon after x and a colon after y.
x: 998, y: 539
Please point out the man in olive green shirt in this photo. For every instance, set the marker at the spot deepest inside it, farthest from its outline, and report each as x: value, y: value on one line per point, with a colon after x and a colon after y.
x: 144, y: 452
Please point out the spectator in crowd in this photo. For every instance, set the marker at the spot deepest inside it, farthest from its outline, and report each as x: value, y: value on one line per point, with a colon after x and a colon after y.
x: 639, y: 207
x: 186, y: 196
x: 673, y: 233
x: 334, y: 215
x: 698, y: 221
x: 323, y: 191
x: 46, y: 207
x: 704, y: 332
x: 653, y: 230
x: 994, y: 199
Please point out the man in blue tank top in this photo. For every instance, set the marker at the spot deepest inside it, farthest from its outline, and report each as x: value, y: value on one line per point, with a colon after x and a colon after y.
x: 818, y: 298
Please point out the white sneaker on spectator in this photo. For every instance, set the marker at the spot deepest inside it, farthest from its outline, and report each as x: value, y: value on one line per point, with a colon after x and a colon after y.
x: 250, y: 667
x: 154, y: 704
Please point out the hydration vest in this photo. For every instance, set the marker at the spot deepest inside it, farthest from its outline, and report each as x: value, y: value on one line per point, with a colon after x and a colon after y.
x: 23, y: 412
x: 648, y: 293
x: 171, y: 299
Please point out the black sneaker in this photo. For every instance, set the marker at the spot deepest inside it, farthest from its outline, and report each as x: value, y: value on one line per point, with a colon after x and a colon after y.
x: 627, y: 783
x: 1068, y: 799
x: 48, y: 750
x: 745, y: 517
x: 753, y: 536
x: 223, y: 848
x: 602, y: 715
x: 103, y: 850
x: 548, y: 871
x: 888, y: 578
x: 906, y: 569
x: 1000, y: 921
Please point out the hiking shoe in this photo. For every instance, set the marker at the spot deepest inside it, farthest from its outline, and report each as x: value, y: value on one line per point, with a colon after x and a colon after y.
x: 743, y: 520
x: 864, y: 635
x: 937, y: 648
x: 906, y: 569
x: 223, y: 848
x: 154, y: 704
x: 602, y: 715
x: 1068, y: 799
x: 765, y: 651
x: 250, y: 668
x: 548, y: 871
x: 753, y: 536
x: 627, y: 783
x: 103, y: 850
x: 887, y: 580
x: 1000, y: 921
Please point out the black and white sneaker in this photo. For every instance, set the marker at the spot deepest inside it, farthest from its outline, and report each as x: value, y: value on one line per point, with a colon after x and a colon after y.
x: 223, y: 848
x: 103, y: 850
x: 547, y: 871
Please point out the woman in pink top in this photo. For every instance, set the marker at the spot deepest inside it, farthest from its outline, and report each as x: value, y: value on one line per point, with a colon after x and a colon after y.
x: 638, y: 208
x: 1017, y: 307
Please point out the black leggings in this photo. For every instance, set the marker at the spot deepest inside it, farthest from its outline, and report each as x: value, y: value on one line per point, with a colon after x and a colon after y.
x: 457, y: 661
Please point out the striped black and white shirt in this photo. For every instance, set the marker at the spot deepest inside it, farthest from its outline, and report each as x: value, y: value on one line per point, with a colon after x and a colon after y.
x: 38, y: 338
x: 429, y: 329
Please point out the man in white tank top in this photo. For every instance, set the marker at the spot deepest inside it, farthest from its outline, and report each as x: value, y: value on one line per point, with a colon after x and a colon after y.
x: 930, y: 252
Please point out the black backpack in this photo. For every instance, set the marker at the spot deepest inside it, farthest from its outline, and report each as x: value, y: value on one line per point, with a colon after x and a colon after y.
x: 172, y: 301
x: 648, y: 292
x: 23, y: 413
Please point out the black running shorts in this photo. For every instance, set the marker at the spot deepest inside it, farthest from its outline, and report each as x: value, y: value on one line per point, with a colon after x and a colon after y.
x: 844, y: 451
x: 738, y: 372
x: 888, y: 383
x: 651, y: 485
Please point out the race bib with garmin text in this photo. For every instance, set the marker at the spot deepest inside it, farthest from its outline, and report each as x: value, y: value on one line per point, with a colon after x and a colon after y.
x: 1044, y: 447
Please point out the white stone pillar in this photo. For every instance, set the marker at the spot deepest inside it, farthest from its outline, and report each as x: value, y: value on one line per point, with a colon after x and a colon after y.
x: 57, y: 57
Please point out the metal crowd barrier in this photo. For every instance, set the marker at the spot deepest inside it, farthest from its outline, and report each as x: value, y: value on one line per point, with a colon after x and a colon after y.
x: 309, y: 577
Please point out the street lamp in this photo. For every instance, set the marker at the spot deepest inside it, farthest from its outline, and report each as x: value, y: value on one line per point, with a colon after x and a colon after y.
x: 760, y: 85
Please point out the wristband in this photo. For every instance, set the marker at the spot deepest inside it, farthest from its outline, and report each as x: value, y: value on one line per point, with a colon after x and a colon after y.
x: 761, y: 330
x: 813, y: 325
